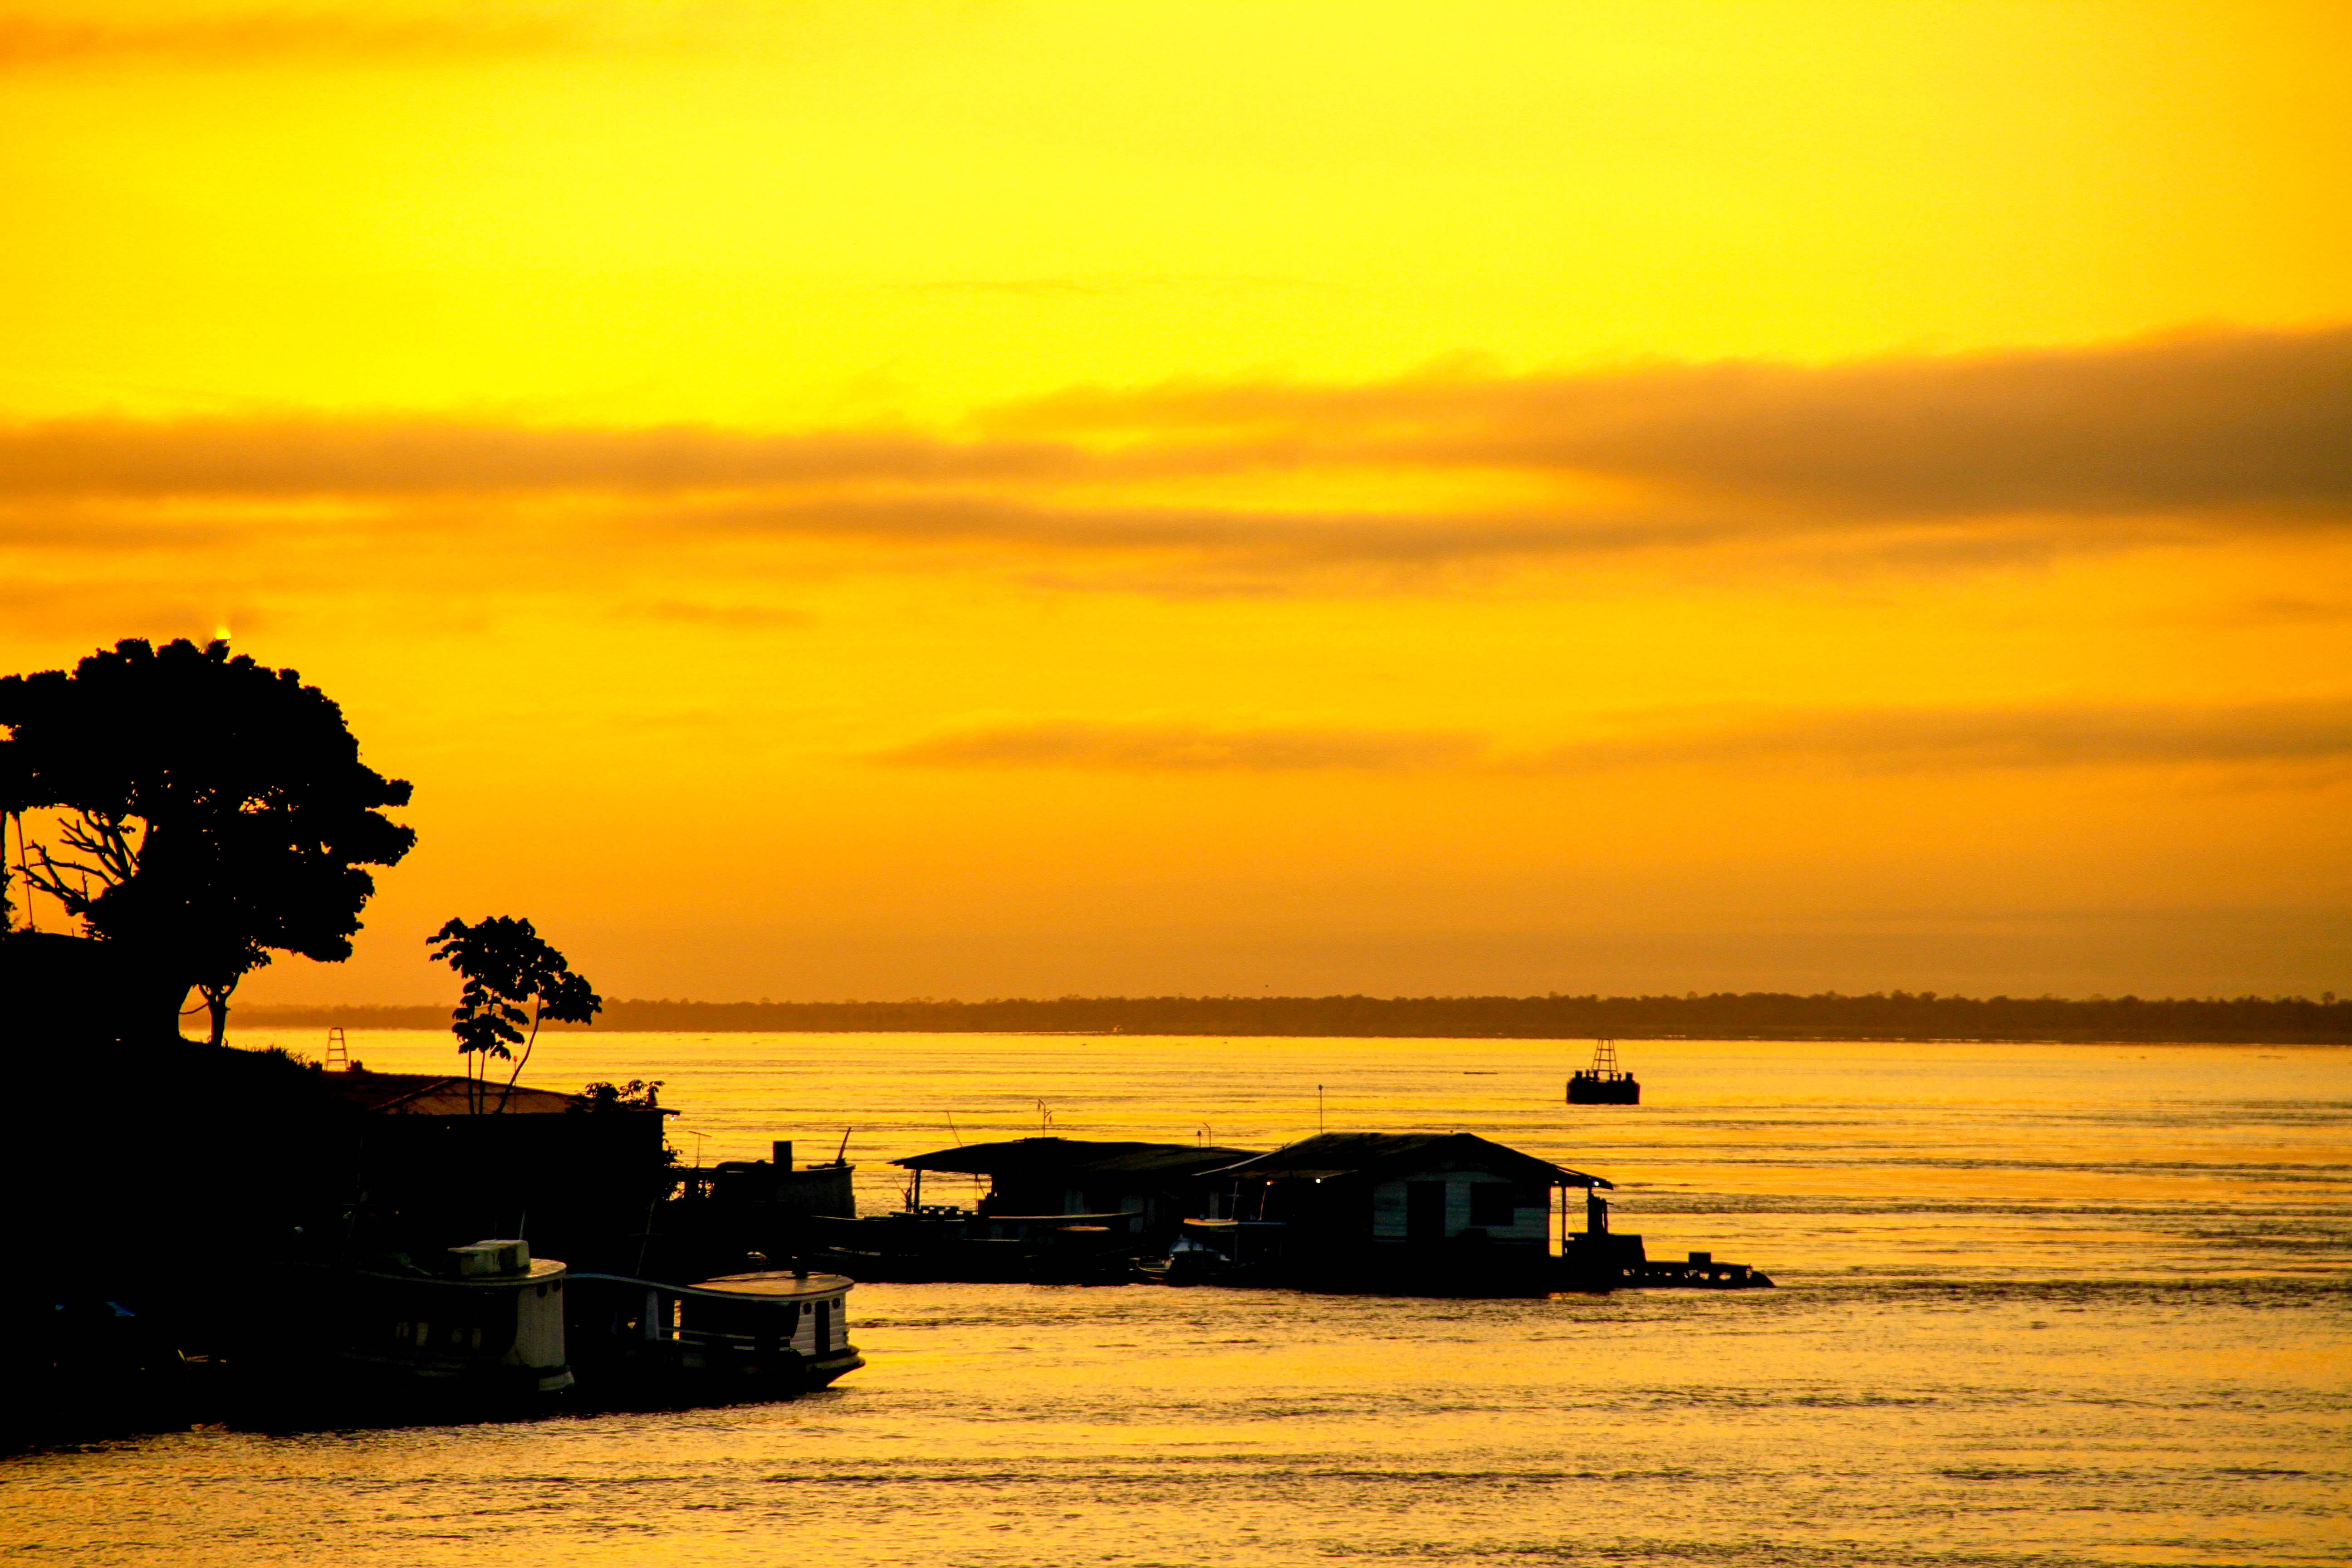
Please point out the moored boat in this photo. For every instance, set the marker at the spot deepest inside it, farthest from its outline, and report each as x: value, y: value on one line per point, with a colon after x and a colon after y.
x: 481, y: 1334
x: 772, y: 1334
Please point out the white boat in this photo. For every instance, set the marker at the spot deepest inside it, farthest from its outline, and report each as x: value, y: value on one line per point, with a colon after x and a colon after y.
x: 482, y: 1333
x: 768, y: 1335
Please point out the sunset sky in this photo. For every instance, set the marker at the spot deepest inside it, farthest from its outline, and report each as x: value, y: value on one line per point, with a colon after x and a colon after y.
x: 993, y: 499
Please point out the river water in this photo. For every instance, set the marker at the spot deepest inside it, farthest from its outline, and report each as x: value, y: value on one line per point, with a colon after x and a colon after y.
x: 2038, y: 1305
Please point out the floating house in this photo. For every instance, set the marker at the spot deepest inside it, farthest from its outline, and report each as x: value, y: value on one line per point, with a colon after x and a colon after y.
x: 1154, y: 1184
x: 1420, y: 1213
x: 1055, y: 1210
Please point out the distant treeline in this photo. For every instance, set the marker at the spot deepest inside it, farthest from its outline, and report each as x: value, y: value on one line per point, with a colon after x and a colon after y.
x: 1726, y: 1016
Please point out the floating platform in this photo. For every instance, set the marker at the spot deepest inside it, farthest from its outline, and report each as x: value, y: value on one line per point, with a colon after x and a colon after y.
x: 1603, y: 1083
x: 939, y: 1246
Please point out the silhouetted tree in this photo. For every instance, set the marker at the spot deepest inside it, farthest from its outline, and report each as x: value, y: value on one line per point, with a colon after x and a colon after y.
x: 507, y: 964
x: 637, y: 1094
x: 208, y: 811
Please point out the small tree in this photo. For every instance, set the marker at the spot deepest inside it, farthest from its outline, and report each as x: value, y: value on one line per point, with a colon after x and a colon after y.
x: 206, y: 811
x: 507, y: 967
x: 637, y: 1094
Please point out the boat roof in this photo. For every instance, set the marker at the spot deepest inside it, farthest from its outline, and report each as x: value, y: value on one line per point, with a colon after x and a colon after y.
x: 1335, y: 1156
x: 767, y: 1285
x: 1040, y: 1157
x: 778, y: 1282
x: 536, y: 1271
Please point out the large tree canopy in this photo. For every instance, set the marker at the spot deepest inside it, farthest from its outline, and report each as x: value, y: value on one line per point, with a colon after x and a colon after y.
x: 208, y: 810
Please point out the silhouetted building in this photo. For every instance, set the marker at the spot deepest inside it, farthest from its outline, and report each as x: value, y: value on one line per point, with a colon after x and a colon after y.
x: 438, y: 1160
x: 1436, y: 1212
x: 1158, y: 1185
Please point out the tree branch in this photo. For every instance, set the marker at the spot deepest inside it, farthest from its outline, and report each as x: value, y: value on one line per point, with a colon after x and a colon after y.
x: 49, y: 879
x: 538, y: 1004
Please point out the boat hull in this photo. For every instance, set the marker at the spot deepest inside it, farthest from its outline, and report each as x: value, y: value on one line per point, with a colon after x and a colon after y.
x: 1594, y: 1088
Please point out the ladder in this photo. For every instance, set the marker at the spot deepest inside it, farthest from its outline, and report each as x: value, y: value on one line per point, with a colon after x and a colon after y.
x: 339, y: 1055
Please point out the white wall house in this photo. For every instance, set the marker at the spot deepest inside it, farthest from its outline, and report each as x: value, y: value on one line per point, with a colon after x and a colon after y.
x: 1399, y: 1192
x: 1444, y: 1205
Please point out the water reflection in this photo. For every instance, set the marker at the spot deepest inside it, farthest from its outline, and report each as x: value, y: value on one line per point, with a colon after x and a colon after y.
x: 2040, y: 1304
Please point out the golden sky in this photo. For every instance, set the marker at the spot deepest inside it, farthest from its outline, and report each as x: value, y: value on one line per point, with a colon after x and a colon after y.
x: 1000, y: 498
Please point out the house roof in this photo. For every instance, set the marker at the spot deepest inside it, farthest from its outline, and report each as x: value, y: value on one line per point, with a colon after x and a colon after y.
x: 1041, y: 1158
x: 1333, y: 1156
x: 431, y: 1094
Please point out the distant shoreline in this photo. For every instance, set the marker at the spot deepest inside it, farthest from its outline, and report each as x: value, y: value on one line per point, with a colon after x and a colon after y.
x: 1923, y: 1017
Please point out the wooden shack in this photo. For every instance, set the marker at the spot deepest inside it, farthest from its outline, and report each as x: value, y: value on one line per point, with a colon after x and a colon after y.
x: 1414, y: 1212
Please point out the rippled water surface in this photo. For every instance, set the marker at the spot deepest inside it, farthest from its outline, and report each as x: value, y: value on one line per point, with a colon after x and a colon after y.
x: 2039, y: 1305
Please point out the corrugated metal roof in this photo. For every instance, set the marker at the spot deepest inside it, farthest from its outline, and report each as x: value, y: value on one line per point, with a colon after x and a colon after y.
x: 1174, y: 1161
x: 1335, y: 1155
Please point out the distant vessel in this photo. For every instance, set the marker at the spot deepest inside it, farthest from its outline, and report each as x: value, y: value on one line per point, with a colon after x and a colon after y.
x: 1603, y: 1083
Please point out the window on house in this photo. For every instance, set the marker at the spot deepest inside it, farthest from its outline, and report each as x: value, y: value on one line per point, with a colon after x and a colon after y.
x: 1493, y: 1204
x: 1424, y: 1210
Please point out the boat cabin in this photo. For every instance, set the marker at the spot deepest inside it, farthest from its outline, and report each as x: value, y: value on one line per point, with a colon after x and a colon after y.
x: 768, y: 1335
x: 482, y: 1328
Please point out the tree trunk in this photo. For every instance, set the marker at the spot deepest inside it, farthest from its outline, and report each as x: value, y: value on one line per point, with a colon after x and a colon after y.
x: 219, y: 1002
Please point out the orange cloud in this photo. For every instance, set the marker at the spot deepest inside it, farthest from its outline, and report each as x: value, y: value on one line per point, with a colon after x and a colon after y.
x: 1931, y: 739
x: 1184, y: 748
x: 2214, y: 421
x: 2238, y: 428
x: 361, y: 458
x: 1905, y: 739
x: 231, y: 39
